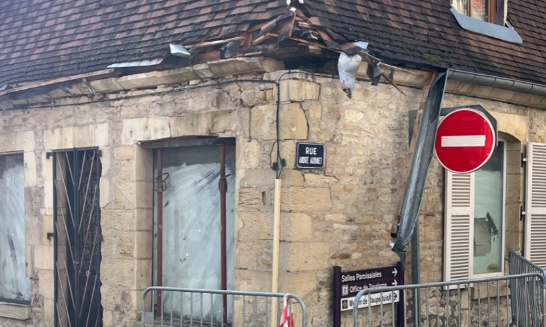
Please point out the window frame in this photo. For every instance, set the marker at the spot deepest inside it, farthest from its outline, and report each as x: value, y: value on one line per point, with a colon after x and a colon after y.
x: 157, y: 155
x: 490, y: 8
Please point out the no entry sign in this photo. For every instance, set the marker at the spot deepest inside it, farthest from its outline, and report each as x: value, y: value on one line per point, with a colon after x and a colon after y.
x: 465, y: 140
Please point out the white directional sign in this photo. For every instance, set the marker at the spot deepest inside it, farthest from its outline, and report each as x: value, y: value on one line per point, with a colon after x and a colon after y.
x: 369, y: 274
x: 371, y: 299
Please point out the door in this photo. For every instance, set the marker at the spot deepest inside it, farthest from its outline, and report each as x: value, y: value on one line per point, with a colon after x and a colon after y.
x: 194, y: 209
x: 77, y: 233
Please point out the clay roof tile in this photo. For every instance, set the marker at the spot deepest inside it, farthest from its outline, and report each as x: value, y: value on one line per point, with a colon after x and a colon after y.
x: 52, y: 38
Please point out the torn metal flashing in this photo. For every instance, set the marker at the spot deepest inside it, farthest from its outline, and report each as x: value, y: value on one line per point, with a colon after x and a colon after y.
x: 179, y: 51
x: 140, y: 63
x: 175, y: 50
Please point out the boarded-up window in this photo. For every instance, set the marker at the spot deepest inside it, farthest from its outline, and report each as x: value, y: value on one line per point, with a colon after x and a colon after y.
x: 14, y: 285
x: 191, y: 233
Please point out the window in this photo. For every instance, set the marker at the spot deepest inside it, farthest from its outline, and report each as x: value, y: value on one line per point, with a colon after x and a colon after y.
x: 488, y: 214
x: 188, y: 230
x: 491, y: 11
x: 487, y: 17
x: 14, y: 285
x: 474, y: 220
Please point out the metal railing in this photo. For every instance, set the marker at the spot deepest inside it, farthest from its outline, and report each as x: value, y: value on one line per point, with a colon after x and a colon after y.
x: 529, y: 297
x: 205, y: 307
x: 476, y: 302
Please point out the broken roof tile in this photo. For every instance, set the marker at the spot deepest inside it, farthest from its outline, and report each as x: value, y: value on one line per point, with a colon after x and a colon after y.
x: 52, y: 38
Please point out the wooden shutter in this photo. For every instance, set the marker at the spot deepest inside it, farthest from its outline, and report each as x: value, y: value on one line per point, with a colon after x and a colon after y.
x: 458, y: 226
x: 535, y: 204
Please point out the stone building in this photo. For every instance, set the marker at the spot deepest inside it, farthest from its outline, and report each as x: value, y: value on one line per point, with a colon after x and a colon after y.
x: 117, y: 118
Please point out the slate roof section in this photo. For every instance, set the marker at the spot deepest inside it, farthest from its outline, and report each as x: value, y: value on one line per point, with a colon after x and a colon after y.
x: 43, y: 39
x: 425, y: 31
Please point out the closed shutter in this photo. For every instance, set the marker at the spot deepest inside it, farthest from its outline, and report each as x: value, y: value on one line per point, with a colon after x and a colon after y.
x: 458, y: 227
x: 535, y: 204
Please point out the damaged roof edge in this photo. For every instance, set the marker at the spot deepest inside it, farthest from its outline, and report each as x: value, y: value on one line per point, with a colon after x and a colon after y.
x: 110, y: 81
x: 105, y: 73
x: 113, y: 83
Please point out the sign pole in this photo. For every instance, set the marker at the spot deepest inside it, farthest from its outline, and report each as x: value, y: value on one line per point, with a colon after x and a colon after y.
x: 401, y: 307
x: 337, y: 296
x: 415, y: 274
x: 276, y: 239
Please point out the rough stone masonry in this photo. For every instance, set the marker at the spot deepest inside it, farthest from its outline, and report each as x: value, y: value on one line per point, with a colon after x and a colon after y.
x: 337, y: 216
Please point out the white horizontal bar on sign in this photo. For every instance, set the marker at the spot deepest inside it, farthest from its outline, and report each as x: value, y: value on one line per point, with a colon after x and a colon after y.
x: 385, y: 297
x: 463, y: 141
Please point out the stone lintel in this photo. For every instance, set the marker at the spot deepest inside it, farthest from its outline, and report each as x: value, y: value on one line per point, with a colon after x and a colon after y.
x: 14, y: 311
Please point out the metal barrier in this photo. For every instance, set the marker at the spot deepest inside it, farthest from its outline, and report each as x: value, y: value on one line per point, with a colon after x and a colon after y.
x: 529, y: 304
x: 204, y: 307
x: 476, y: 302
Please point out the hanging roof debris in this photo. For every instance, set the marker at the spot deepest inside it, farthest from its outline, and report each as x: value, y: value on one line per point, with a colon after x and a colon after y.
x: 43, y: 39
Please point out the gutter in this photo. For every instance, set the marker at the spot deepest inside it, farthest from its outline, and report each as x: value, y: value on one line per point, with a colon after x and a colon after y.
x: 417, y: 177
x: 497, y: 82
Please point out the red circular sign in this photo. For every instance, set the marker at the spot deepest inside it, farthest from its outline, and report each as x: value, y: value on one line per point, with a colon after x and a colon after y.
x: 465, y: 140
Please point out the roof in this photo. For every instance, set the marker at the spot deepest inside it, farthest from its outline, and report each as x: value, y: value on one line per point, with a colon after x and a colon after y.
x: 426, y: 31
x: 44, y: 39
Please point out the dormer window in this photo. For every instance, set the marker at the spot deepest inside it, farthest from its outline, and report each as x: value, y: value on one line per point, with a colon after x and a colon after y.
x: 491, y: 11
x: 487, y: 17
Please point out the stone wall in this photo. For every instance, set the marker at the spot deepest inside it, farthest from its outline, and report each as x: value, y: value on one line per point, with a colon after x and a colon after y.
x: 339, y: 216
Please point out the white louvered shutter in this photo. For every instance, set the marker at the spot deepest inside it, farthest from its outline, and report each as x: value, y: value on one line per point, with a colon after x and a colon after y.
x: 535, y: 204
x: 458, y: 226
